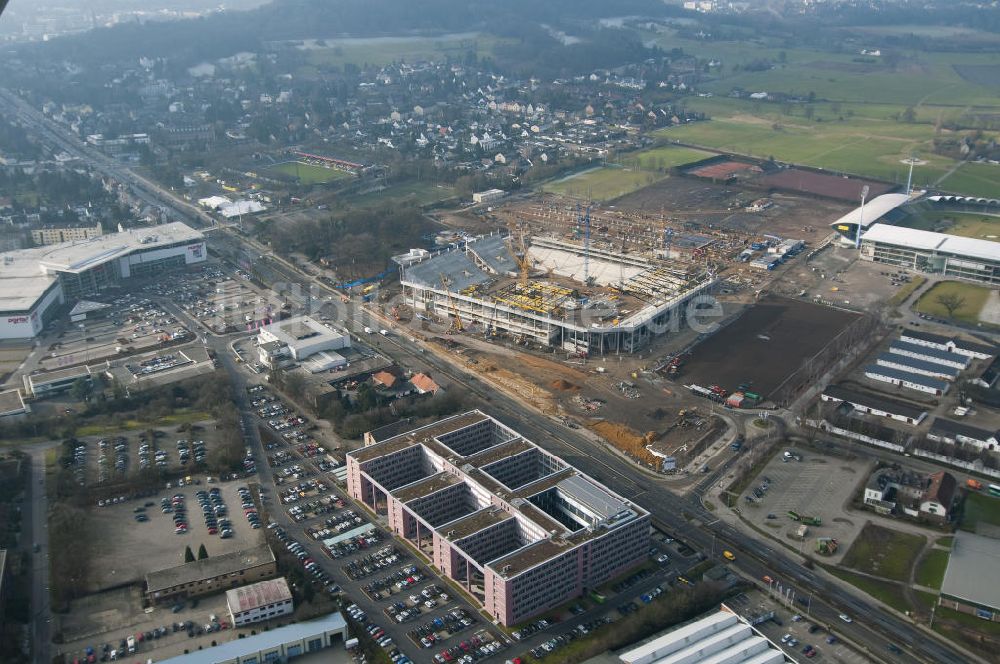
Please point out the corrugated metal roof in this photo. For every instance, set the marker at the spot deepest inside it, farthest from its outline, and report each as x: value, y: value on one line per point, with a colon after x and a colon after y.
x: 927, y: 352
x: 914, y: 363
x: 898, y: 374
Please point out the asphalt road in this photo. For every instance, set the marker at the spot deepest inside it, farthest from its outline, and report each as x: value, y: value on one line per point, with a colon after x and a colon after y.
x: 37, y: 508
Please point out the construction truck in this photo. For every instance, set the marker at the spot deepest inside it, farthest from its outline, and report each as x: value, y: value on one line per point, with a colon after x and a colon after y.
x: 826, y: 546
x: 975, y: 485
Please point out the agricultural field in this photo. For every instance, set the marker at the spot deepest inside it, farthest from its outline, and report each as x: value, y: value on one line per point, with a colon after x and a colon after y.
x: 308, y: 174
x: 853, y: 124
x: 603, y: 183
x: 874, y: 148
x: 882, y: 552
x: 975, y: 298
x: 917, y: 78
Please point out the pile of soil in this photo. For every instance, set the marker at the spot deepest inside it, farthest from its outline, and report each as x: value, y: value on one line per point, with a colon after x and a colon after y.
x: 563, y: 385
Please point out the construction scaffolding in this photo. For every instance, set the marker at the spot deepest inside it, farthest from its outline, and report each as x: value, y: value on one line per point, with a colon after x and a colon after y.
x: 537, y: 296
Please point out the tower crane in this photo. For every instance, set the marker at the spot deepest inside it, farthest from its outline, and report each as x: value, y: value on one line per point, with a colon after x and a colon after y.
x: 520, y: 252
x: 456, y: 319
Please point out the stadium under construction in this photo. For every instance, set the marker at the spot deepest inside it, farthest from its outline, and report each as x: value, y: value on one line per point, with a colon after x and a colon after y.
x: 554, y: 292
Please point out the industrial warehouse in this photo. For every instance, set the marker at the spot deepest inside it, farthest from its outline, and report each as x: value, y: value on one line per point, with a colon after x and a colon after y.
x: 554, y: 292
x: 33, y: 282
x: 520, y: 529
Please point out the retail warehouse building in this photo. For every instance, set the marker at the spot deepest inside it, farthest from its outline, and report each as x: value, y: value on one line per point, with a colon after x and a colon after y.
x: 276, y: 645
x: 520, y: 529
x: 34, y: 282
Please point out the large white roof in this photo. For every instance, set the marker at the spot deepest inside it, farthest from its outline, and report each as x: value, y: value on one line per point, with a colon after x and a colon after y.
x: 967, y: 247
x: 26, y: 274
x: 873, y: 210
x: 973, y: 559
x: 718, y: 637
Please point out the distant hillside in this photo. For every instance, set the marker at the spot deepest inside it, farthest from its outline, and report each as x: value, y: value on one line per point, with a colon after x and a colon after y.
x: 221, y: 35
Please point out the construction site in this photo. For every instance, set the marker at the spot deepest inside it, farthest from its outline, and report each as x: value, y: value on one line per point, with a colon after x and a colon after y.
x: 582, y: 311
x: 584, y: 297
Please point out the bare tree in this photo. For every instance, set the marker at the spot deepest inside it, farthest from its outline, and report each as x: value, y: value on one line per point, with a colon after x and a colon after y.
x: 952, y: 302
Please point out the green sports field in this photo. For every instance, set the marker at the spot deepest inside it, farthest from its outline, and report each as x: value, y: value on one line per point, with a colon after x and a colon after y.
x: 603, y: 183
x: 966, y: 224
x: 660, y: 159
x: 309, y: 173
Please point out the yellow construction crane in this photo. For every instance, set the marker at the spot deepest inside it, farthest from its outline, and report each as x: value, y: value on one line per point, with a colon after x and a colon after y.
x: 457, y: 320
x: 520, y: 253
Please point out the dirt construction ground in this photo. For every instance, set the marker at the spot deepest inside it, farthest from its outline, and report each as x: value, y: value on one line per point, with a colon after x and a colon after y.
x: 127, y: 549
x: 697, y: 201
x: 765, y: 345
x: 818, y: 486
x: 836, y: 276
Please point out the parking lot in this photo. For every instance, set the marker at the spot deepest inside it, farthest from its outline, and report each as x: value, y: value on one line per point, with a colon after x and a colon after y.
x: 816, y: 486
x: 792, y: 630
x: 227, y: 303
x: 122, y: 455
x: 131, y: 548
x: 132, y: 323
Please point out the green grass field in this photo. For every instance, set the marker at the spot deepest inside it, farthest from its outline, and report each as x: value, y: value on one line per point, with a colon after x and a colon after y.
x: 854, y: 126
x: 975, y: 298
x: 182, y: 417
x: 879, y: 551
x: 663, y: 158
x: 413, y: 193
x: 966, y: 224
x: 974, y: 179
x: 930, y: 572
x: 862, y: 146
x: 976, y: 623
x: 309, y: 173
x: 885, y: 592
x: 904, y: 293
x: 980, y: 508
x: 920, y: 78
x: 602, y: 183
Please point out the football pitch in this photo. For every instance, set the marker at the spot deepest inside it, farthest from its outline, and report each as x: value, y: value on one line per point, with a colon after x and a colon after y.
x: 309, y: 173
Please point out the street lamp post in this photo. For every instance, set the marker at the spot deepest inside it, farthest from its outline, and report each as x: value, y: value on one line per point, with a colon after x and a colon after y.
x: 861, y: 217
